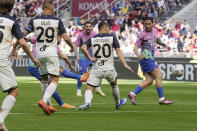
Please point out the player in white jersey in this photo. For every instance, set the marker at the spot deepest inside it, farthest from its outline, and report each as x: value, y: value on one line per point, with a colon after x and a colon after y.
x: 9, y: 28
x: 46, y: 28
x: 103, y: 64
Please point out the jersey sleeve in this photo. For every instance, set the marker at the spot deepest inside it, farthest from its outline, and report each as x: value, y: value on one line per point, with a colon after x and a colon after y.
x: 61, y: 27
x: 115, y: 42
x: 59, y: 50
x: 78, y: 41
x: 88, y: 43
x: 29, y: 27
x: 139, y: 40
x: 16, y: 31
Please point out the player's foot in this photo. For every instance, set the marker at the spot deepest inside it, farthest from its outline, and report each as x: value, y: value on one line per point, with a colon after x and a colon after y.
x: 3, y: 127
x: 83, y: 107
x: 52, y: 109
x: 100, y: 92
x: 85, y: 76
x: 122, y: 102
x: 67, y: 106
x: 166, y: 102
x: 44, y: 107
x: 79, y: 92
x: 131, y: 96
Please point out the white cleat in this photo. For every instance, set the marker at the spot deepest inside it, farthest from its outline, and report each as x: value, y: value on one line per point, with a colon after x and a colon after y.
x: 3, y: 127
x: 83, y: 107
x: 79, y: 92
x: 100, y: 92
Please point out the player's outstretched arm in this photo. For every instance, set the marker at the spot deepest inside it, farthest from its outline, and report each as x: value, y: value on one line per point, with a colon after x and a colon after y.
x: 120, y: 56
x: 72, y: 46
x: 67, y: 60
x: 25, y: 47
x: 160, y: 42
x: 136, y: 50
x: 85, y: 51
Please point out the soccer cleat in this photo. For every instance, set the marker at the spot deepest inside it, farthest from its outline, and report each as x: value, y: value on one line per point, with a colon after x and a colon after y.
x: 44, y: 107
x: 85, y: 76
x: 132, y: 98
x: 100, y: 92
x: 79, y: 92
x: 122, y: 102
x: 67, y: 106
x: 83, y: 107
x: 166, y: 102
x: 52, y: 109
x: 3, y: 127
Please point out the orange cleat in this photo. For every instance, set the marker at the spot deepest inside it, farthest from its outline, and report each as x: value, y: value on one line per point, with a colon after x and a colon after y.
x: 67, y: 106
x: 85, y: 76
x: 52, y: 109
x: 44, y: 107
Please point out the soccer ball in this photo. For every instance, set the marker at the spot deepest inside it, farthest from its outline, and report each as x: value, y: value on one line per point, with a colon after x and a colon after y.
x: 178, y: 70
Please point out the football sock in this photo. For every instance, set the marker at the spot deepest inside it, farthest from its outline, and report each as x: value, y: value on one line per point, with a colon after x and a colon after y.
x: 79, y: 84
x: 160, y: 92
x: 116, y: 94
x: 7, y: 105
x: 44, y: 86
x: 137, y: 90
x: 57, y: 97
x: 88, y: 96
x: 49, y: 91
x: 72, y: 75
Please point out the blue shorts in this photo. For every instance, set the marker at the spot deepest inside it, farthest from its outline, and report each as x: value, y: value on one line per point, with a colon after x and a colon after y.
x: 83, y: 65
x: 34, y: 72
x: 148, y: 65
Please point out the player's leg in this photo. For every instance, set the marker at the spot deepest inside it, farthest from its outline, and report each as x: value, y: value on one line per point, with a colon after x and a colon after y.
x: 158, y: 82
x: 99, y: 91
x: 145, y: 83
x: 7, y: 84
x: 68, y: 74
x: 111, y: 77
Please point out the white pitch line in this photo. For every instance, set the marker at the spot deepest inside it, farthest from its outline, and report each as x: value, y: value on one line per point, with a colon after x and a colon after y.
x: 111, y: 112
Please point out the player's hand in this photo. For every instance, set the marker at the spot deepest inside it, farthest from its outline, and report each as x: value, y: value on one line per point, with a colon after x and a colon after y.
x: 36, y: 62
x: 128, y: 67
x: 14, y: 53
x: 168, y: 47
x: 93, y: 59
x: 71, y: 50
x: 140, y: 57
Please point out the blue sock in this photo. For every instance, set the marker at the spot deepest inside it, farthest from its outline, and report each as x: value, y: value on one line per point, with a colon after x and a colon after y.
x: 79, y: 84
x: 137, y: 90
x: 57, y: 97
x: 72, y: 75
x: 160, y: 91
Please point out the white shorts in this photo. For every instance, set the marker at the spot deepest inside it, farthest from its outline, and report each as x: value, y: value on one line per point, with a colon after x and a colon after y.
x: 49, y: 65
x: 97, y: 75
x: 7, y: 78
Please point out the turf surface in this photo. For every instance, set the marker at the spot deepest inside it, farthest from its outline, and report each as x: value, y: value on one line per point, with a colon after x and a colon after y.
x: 148, y: 115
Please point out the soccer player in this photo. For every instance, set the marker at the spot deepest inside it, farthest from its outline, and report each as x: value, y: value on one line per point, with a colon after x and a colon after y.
x: 35, y: 72
x: 146, y: 41
x: 84, y: 62
x: 9, y: 28
x: 103, y: 64
x: 46, y: 28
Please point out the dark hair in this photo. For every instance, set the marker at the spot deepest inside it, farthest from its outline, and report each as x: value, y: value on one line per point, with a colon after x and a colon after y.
x: 88, y: 22
x: 6, y: 6
x: 46, y: 4
x: 148, y: 18
x: 102, y: 24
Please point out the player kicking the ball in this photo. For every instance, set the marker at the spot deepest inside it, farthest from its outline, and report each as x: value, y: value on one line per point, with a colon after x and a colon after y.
x: 103, y: 64
x: 147, y: 40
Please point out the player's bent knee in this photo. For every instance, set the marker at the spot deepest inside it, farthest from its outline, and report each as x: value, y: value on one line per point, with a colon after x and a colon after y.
x: 113, y: 84
x: 13, y: 91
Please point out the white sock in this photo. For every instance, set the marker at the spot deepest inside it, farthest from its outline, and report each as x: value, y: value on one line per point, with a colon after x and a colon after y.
x: 116, y: 94
x: 98, y: 88
x: 44, y: 85
x: 49, y: 91
x: 88, y: 96
x: 7, y: 105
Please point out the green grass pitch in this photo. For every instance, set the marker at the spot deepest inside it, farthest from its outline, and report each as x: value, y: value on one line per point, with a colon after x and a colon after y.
x: 148, y: 115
